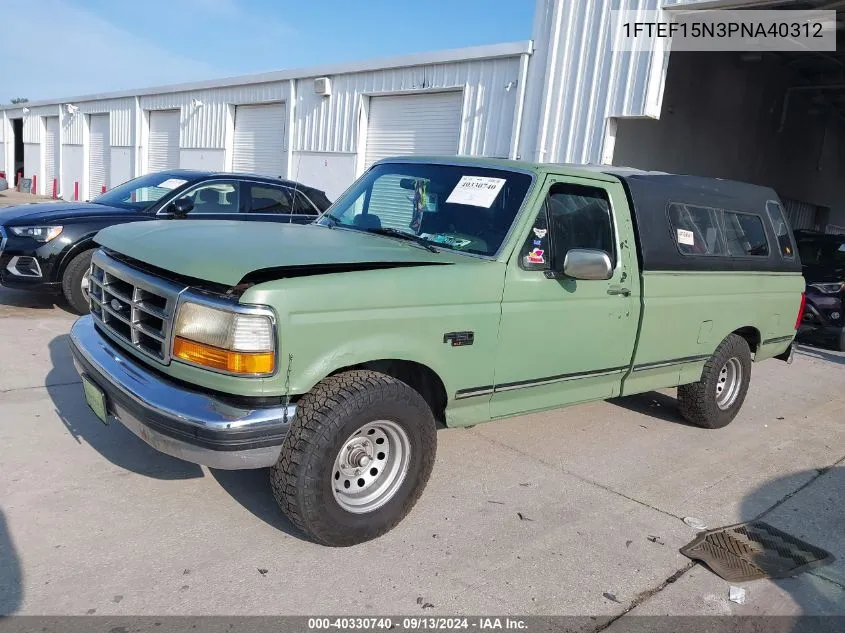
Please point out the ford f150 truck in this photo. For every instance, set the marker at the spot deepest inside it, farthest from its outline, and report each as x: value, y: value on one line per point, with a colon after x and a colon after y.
x: 435, y: 291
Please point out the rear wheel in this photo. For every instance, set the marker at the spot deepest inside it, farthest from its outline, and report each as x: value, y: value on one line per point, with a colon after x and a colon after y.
x: 76, y: 281
x: 356, y: 459
x: 714, y: 401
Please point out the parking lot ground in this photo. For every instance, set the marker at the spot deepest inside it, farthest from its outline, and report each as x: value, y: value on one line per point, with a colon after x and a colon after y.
x: 573, y: 512
x: 10, y: 197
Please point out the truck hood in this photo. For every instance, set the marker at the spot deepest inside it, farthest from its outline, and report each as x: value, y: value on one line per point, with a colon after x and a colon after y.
x: 226, y: 252
x: 56, y: 212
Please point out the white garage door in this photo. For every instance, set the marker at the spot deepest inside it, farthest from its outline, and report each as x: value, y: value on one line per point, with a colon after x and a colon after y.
x: 164, y: 140
x: 427, y: 124
x: 98, y: 156
x: 260, y: 139
x: 51, y: 154
x: 408, y: 125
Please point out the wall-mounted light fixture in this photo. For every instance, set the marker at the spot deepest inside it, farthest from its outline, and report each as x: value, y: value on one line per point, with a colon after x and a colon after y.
x: 196, y: 103
x: 25, y: 110
x: 71, y: 109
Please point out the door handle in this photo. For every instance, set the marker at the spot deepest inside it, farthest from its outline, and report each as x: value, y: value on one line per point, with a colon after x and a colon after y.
x: 619, y: 290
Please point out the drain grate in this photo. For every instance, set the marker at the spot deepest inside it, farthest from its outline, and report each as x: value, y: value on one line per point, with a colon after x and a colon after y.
x: 748, y: 551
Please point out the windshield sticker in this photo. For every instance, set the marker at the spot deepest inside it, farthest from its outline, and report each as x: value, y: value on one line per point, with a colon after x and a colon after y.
x: 540, y: 233
x: 536, y: 256
x: 448, y: 240
x: 172, y: 183
x: 686, y: 237
x: 476, y: 191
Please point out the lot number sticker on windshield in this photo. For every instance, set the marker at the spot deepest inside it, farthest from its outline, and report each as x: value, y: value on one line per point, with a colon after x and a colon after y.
x: 172, y: 183
x: 686, y: 237
x: 477, y: 191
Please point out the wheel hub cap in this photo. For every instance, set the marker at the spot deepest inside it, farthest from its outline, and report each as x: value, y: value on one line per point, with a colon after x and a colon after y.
x: 371, y: 466
x: 728, y: 383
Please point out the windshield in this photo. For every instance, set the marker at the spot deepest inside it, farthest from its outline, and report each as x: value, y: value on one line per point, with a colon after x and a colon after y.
x: 827, y: 251
x: 467, y: 209
x: 141, y: 193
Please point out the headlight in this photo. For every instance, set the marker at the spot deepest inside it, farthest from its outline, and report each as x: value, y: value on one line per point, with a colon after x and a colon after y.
x: 227, y: 341
x: 828, y: 289
x: 38, y: 233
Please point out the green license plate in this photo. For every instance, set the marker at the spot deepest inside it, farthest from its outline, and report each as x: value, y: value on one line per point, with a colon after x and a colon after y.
x: 96, y: 399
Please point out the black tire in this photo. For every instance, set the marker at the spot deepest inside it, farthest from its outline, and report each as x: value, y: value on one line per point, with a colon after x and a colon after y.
x: 326, y: 417
x: 698, y: 401
x: 72, y: 281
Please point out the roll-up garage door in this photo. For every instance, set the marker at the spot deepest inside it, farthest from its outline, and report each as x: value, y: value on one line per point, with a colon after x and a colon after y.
x: 98, y: 156
x: 164, y: 140
x: 425, y: 124
x: 259, y: 145
x: 51, y: 153
x: 407, y: 125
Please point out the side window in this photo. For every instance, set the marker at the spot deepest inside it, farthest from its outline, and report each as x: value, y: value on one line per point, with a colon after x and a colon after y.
x: 787, y: 250
x: 267, y: 199
x: 301, y: 205
x: 696, y: 229
x: 578, y: 217
x: 215, y: 197
x: 745, y: 235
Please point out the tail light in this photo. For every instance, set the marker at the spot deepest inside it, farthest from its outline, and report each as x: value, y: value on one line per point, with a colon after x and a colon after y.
x: 801, y: 310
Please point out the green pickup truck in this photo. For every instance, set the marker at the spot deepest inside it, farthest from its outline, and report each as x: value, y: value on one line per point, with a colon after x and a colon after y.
x: 435, y: 291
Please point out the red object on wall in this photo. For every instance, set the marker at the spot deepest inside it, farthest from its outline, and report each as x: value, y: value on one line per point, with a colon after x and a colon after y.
x: 34, y: 184
x: 55, y: 188
x: 76, y: 190
x: 103, y: 190
x: 2, y: 174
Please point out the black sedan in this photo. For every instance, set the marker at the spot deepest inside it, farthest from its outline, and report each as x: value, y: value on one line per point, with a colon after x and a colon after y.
x: 48, y: 246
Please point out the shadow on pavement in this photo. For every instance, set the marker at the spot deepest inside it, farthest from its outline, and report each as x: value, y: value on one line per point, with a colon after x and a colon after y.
x: 114, y: 442
x: 11, y: 575
x: 28, y: 300
x: 815, y: 513
x: 813, y: 351
x: 251, y: 488
x: 653, y: 404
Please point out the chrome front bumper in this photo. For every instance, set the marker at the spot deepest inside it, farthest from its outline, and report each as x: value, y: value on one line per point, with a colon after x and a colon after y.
x: 187, y: 424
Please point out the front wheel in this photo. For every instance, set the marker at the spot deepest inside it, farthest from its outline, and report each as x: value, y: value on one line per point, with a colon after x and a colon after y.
x: 76, y: 281
x: 714, y: 401
x: 357, y: 457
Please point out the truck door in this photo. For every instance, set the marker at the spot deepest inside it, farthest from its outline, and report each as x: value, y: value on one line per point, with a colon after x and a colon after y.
x: 565, y: 340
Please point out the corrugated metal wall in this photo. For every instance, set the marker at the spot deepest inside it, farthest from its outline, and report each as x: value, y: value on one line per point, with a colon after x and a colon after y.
x: 120, y: 121
x: 204, y: 126
x: 576, y: 80
x: 330, y: 124
x: 32, y: 123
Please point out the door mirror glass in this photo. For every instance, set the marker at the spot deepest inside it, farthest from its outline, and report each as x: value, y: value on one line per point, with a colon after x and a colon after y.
x: 587, y: 263
x: 181, y: 207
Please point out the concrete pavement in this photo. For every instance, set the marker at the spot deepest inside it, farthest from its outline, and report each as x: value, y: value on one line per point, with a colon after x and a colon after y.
x: 94, y: 521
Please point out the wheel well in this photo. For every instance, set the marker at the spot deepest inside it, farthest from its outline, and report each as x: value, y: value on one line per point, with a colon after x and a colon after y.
x: 416, y: 375
x: 87, y: 244
x: 751, y: 336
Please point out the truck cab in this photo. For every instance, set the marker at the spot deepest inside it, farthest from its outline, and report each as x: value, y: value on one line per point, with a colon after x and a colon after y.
x: 435, y: 291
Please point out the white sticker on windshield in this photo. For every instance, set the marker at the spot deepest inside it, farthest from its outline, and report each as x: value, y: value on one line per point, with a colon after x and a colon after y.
x: 477, y: 191
x: 686, y: 237
x: 172, y: 183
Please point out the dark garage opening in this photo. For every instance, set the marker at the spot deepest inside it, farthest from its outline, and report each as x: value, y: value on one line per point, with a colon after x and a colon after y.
x: 775, y: 119
x: 17, y: 133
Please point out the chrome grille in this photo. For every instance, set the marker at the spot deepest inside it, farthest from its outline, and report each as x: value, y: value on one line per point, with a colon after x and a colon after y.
x: 133, y: 306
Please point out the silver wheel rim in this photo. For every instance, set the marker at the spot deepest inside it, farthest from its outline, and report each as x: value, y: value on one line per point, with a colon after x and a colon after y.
x: 371, y: 466
x: 728, y: 383
x: 85, y: 284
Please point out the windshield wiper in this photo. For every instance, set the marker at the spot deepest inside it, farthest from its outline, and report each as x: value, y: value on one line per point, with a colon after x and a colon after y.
x: 405, y: 236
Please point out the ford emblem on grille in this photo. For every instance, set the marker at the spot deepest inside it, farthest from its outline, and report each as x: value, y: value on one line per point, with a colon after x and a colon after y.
x: 116, y: 305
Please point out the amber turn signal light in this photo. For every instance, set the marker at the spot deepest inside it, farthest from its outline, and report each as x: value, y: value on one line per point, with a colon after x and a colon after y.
x: 223, y: 359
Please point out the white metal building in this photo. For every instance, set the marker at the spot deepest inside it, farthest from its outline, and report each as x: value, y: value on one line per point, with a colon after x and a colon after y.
x: 565, y: 96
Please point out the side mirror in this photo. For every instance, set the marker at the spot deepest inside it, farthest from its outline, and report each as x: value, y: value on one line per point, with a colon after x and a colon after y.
x: 181, y: 207
x: 587, y: 263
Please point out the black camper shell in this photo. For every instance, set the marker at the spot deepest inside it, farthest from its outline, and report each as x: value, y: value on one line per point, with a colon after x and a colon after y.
x: 694, y: 223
